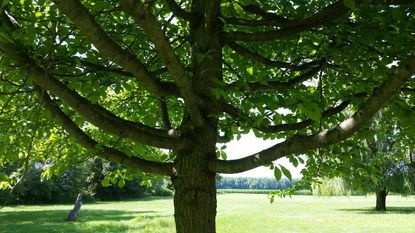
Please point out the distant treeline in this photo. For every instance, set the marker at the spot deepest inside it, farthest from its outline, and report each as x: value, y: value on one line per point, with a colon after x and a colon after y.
x: 253, y: 183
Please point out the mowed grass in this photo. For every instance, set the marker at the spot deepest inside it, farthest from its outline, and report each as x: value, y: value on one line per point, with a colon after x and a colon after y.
x: 237, y: 213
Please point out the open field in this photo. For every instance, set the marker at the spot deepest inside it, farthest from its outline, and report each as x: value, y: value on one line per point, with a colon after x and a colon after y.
x: 237, y: 213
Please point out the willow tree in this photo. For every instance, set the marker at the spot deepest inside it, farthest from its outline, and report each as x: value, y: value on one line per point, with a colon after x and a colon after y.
x: 125, y: 77
x: 379, y: 160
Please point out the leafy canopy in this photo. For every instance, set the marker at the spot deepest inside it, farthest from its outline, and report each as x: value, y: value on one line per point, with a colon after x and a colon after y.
x: 123, y: 78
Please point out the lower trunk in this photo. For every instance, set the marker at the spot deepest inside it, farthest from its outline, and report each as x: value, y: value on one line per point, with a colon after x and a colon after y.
x: 73, y: 215
x: 381, y: 199
x: 195, y: 186
x: 195, y: 208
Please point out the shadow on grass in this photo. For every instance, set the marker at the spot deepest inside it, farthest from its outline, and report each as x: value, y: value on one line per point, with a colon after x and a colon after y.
x: 89, y: 221
x: 390, y: 210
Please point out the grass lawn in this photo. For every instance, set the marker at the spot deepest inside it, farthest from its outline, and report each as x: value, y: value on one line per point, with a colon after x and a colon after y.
x: 237, y: 213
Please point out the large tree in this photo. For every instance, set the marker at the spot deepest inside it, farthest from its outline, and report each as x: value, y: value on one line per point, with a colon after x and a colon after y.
x: 125, y: 77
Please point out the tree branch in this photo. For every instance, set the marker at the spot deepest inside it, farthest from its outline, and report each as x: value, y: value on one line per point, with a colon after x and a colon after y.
x: 149, y: 23
x: 254, y: 9
x: 288, y: 127
x: 278, y: 85
x: 291, y: 27
x: 85, y: 22
x: 301, y: 144
x: 165, y: 113
x: 93, y: 113
x: 108, y: 153
x: 408, y: 89
x: 324, y: 16
x: 256, y: 23
x: 101, y: 68
x: 259, y: 58
x: 178, y: 11
x: 303, y: 124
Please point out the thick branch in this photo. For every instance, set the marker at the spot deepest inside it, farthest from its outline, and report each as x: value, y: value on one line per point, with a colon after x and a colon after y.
x: 93, y: 113
x: 106, y: 152
x: 324, y: 16
x: 85, y: 22
x: 266, y: 61
x: 301, y: 144
x: 150, y: 25
x: 291, y: 27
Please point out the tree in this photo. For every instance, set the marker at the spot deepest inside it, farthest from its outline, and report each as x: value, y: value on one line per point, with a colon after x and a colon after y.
x: 382, y: 158
x: 123, y: 78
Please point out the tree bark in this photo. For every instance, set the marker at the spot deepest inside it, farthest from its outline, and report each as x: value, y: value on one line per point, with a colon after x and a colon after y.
x: 73, y: 215
x: 195, y: 190
x: 381, y: 199
x: 195, y: 186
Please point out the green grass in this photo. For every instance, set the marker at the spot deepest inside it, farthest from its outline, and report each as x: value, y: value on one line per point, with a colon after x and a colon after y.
x: 237, y: 213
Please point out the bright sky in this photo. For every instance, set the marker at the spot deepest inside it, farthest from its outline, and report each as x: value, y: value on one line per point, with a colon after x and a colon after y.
x: 248, y: 145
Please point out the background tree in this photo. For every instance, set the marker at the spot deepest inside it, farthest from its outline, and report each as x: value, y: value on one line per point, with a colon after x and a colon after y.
x: 123, y: 78
x: 382, y: 156
x: 96, y: 179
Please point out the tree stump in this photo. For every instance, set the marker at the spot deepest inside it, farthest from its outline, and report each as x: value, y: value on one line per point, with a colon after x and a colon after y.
x: 73, y: 215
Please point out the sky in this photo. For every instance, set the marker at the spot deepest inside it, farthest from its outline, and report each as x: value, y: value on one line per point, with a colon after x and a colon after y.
x: 248, y: 145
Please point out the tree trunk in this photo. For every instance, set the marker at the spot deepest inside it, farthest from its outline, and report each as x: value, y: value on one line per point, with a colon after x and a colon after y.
x: 195, y: 205
x: 195, y: 188
x: 73, y: 215
x: 381, y: 199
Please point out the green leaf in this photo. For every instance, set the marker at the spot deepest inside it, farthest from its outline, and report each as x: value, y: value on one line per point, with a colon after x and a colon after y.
x: 4, y: 185
x: 286, y: 172
x: 349, y: 3
x: 250, y: 70
x: 294, y: 161
x: 313, y: 111
x: 4, y: 177
x: 4, y: 181
x: 121, y: 183
x: 223, y: 155
x: 106, y: 181
x: 272, y: 199
x: 277, y: 173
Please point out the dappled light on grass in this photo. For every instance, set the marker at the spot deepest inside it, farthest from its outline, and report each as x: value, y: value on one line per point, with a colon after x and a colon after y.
x: 90, y: 221
x: 145, y: 216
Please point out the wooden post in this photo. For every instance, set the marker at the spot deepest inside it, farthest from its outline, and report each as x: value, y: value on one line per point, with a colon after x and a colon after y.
x: 73, y: 215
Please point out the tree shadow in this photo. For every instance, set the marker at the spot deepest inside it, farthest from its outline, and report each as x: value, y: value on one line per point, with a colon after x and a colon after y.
x: 89, y: 221
x: 142, y: 199
x: 390, y: 210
